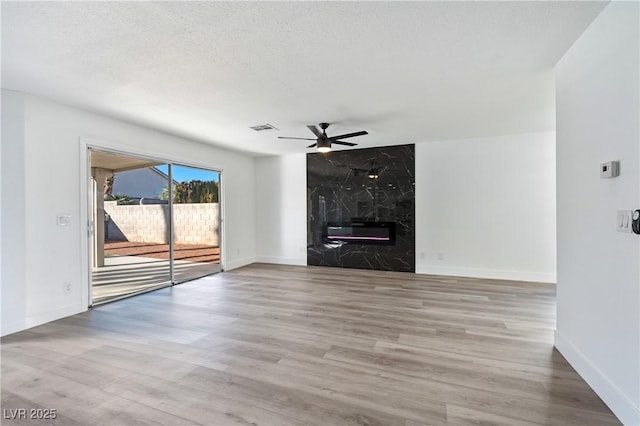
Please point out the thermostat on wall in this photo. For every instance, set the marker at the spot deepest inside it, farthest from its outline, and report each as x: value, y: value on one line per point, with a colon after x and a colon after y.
x: 610, y: 169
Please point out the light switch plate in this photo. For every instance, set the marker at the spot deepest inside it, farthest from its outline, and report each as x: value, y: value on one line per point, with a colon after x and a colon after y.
x: 623, y: 223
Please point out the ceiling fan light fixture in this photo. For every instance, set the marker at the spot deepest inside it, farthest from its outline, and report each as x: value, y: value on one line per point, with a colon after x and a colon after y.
x: 324, y: 142
x: 324, y: 146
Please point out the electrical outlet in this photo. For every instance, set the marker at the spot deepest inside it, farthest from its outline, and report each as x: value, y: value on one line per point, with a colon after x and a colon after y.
x: 63, y: 219
x: 422, y: 255
x: 66, y: 287
x: 440, y: 256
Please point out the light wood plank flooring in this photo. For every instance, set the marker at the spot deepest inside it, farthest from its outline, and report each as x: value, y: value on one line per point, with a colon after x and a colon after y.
x: 282, y: 345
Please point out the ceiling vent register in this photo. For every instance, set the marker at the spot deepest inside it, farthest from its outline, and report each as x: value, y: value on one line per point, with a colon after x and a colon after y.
x: 263, y: 127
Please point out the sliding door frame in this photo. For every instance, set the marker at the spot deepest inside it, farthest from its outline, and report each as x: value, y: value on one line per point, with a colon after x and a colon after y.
x: 171, y: 225
x: 86, y: 224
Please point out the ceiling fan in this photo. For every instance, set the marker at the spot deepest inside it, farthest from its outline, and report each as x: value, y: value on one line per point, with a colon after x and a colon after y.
x: 323, y: 142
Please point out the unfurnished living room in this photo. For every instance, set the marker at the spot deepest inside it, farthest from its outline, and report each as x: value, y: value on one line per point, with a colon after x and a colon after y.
x: 320, y: 213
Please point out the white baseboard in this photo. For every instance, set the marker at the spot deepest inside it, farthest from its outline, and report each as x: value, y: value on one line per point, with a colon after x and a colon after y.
x: 42, y: 318
x: 12, y: 327
x: 283, y: 260
x: 622, y: 406
x: 486, y: 273
x: 439, y: 270
x: 233, y: 264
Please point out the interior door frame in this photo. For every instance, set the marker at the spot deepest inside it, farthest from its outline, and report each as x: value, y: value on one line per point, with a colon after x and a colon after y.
x: 86, y: 193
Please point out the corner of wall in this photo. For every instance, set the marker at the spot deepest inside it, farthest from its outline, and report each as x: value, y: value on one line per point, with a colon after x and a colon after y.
x: 624, y: 408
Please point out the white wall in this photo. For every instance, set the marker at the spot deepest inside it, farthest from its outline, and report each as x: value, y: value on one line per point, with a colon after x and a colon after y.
x: 506, y: 181
x: 486, y: 207
x: 281, y: 209
x: 597, y: 100
x: 12, y: 265
x: 42, y: 151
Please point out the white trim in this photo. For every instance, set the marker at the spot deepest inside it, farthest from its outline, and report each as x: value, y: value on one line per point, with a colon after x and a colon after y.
x: 222, y: 234
x: 498, y: 274
x: 282, y: 260
x: 46, y: 317
x: 622, y: 406
x: 440, y: 270
x: 12, y: 327
x: 102, y: 144
x: 85, y: 206
x: 233, y: 264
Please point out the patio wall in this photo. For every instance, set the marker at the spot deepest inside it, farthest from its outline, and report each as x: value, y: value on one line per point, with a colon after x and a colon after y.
x: 194, y: 223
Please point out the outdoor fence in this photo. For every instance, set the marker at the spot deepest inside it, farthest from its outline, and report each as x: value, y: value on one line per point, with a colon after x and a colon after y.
x: 193, y: 223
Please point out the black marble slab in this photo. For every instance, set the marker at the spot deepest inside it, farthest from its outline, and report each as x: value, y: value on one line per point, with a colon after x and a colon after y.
x: 362, y: 186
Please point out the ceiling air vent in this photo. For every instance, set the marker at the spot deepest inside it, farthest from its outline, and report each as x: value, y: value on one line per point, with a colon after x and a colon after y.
x: 263, y: 127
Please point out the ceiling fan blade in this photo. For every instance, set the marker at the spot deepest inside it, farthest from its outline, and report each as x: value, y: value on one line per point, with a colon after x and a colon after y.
x: 315, y: 130
x: 302, y: 139
x: 344, y: 143
x: 311, y: 146
x: 349, y: 135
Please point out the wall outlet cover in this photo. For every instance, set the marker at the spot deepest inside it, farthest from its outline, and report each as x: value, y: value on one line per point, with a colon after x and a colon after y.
x: 63, y: 219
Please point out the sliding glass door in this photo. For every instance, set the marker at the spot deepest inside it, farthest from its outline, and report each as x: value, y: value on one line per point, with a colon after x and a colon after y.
x: 196, y: 222
x: 130, y: 250
x: 154, y: 224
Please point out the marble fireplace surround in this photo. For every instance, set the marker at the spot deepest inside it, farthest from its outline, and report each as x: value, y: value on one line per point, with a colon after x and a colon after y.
x: 343, y: 190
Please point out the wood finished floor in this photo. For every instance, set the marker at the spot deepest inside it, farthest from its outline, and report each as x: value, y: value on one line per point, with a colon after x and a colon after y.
x: 283, y: 345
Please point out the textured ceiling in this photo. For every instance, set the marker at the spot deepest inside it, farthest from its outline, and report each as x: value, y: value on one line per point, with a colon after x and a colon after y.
x: 404, y: 71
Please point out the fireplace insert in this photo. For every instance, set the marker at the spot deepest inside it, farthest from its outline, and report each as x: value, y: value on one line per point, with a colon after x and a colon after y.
x: 360, y: 232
